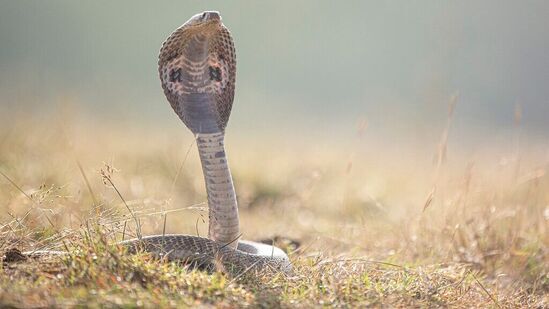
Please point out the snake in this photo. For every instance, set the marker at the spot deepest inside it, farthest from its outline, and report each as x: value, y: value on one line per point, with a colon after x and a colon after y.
x: 197, y: 69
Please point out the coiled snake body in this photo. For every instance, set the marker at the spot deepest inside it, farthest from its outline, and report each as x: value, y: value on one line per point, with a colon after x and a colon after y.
x: 197, y: 67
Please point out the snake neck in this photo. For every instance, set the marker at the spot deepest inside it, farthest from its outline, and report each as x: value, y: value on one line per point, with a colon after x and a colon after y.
x: 222, y: 205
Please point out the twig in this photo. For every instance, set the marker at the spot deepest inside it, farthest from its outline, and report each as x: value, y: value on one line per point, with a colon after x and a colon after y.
x: 486, y: 291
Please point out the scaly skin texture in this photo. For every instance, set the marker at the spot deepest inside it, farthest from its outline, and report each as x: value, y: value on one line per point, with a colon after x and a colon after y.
x: 209, y: 254
x: 197, y: 69
x: 223, y: 208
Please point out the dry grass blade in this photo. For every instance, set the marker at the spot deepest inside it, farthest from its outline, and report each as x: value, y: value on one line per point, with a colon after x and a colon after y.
x: 486, y: 291
x: 181, y: 168
x: 17, y: 187
x: 360, y: 255
x: 106, y: 176
x: 429, y: 199
x: 90, y: 190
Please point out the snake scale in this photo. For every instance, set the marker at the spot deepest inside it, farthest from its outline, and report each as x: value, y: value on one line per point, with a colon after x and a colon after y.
x: 197, y: 68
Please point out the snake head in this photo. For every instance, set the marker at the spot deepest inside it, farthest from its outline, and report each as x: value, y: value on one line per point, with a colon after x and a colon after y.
x: 197, y: 67
x: 204, y: 17
x: 206, y: 24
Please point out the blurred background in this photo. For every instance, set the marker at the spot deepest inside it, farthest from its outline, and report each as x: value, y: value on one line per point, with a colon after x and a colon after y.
x: 319, y: 68
x: 385, y: 129
x: 400, y: 131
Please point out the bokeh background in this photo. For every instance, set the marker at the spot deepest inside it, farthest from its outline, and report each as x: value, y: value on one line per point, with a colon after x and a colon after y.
x: 410, y: 133
x: 313, y: 67
x: 355, y: 93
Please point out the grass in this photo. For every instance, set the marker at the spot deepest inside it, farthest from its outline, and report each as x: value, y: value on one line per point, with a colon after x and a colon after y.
x: 375, y: 228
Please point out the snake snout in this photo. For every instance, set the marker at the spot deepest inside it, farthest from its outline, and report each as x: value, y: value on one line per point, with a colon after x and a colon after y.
x: 211, y: 15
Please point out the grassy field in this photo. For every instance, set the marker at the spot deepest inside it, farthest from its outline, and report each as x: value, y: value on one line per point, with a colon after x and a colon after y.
x: 364, y: 224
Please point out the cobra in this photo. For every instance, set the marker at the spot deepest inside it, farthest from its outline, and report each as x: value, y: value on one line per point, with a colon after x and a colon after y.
x: 197, y: 68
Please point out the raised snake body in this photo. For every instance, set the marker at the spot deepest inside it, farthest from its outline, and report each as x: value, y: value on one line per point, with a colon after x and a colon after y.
x: 197, y: 67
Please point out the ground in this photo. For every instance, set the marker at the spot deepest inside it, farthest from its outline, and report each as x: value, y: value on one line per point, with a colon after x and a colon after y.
x: 364, y: 224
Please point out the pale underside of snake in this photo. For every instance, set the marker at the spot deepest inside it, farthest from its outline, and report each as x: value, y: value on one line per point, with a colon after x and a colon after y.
x: 197, y: 68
